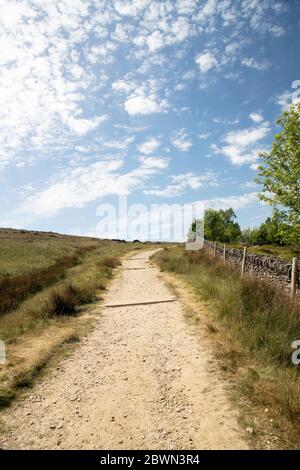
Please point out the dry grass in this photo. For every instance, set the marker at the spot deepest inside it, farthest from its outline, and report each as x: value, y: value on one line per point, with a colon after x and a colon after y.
x: 14, y: 289
x: 111, y: 261
x: 261, y: 321
x: 63, y: 302
x: 66, y: 300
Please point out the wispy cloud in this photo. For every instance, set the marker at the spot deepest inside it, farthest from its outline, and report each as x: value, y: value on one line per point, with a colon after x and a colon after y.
x: 81, y: 185
x: 180, y: 183
x: 149, y: 146
x: 256, y: 117
x: 253, y: 63
x: 240, y: 147
x: 180, y: 139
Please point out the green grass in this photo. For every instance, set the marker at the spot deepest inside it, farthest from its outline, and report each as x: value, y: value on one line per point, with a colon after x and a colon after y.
x: 261, y: 319
x: 21, y: 252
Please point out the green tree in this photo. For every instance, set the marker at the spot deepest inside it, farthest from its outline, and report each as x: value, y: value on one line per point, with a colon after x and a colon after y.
x: 219, y: 226
x: 249, y: 236
x: 280, y: 170
x: 275, y: 230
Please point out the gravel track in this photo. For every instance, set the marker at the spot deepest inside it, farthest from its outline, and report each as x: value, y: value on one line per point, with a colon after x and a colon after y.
x: 141, y: 380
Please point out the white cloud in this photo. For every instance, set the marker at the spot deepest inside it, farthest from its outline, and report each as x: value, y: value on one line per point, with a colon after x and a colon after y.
x: 145, y: 99
x: 186, y: 7
x: 143, y: 105
x: 241, y: 146
x: 206, y: 61
x: 161, y: 29
x: 122, y: 32
x: 180, y: 86
x: 119, y: 144
x: 236, y: 202
x: 183, y: 182
x: 208, y: 10
x: 189, y: 75
x: 284, y: 99
x: 255, y: 64
x: 204, y: 136
x: 218, y: 120
x: 123, y: 86
x: 246, y: 137
x: 131, y: 129
x: 289, y: 98
x: 232, y: 48
x: 149, y: 146
x: 102, y: 54
x: 76, y: 187
x: 256, y: 117
x: 130, y: 8
x: 42, y: 95
x: 54, y: 56
x: 83, y: 126
x: 180, y: 139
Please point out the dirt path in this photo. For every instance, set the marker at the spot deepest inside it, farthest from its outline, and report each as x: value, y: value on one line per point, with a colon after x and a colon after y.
x: 140, y: 380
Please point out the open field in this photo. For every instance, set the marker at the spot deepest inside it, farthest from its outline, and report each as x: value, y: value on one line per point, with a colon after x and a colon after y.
x: 254, y: 325
x: 47, y: 288
x: 24, y: 251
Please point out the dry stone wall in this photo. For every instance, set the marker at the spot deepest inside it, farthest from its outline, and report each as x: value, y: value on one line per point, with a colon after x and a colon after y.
x: 275, y: 270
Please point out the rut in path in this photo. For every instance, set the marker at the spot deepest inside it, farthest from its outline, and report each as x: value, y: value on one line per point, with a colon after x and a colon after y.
x: 141, y: 380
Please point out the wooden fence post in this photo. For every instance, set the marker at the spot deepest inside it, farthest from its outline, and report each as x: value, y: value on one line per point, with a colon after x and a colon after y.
x: 294, y: 276
x: 224, y: 253
x: 244, y: 261
x: 215, y: 249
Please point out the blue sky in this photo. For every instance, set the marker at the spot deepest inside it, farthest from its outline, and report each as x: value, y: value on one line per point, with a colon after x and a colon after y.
x: 162, y: 101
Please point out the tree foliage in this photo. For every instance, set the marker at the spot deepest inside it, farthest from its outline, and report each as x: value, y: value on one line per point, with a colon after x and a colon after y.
x: 219, y: 226
x: 280, y: 171
x: 274, y: 231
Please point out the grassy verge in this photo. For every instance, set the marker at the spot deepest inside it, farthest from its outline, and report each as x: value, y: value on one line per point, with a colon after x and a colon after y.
x: 262, y: 323
x: 14, y: 289
x: 57, y: 314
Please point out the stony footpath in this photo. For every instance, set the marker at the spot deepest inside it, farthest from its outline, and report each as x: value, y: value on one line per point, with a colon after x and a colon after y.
x: 141, y: 380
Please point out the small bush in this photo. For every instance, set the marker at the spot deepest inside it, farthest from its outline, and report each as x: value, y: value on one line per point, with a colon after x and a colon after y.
x: 110, y: 261
x: 63, y: 302
x: 86, y: 294
x: 6, y: 397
